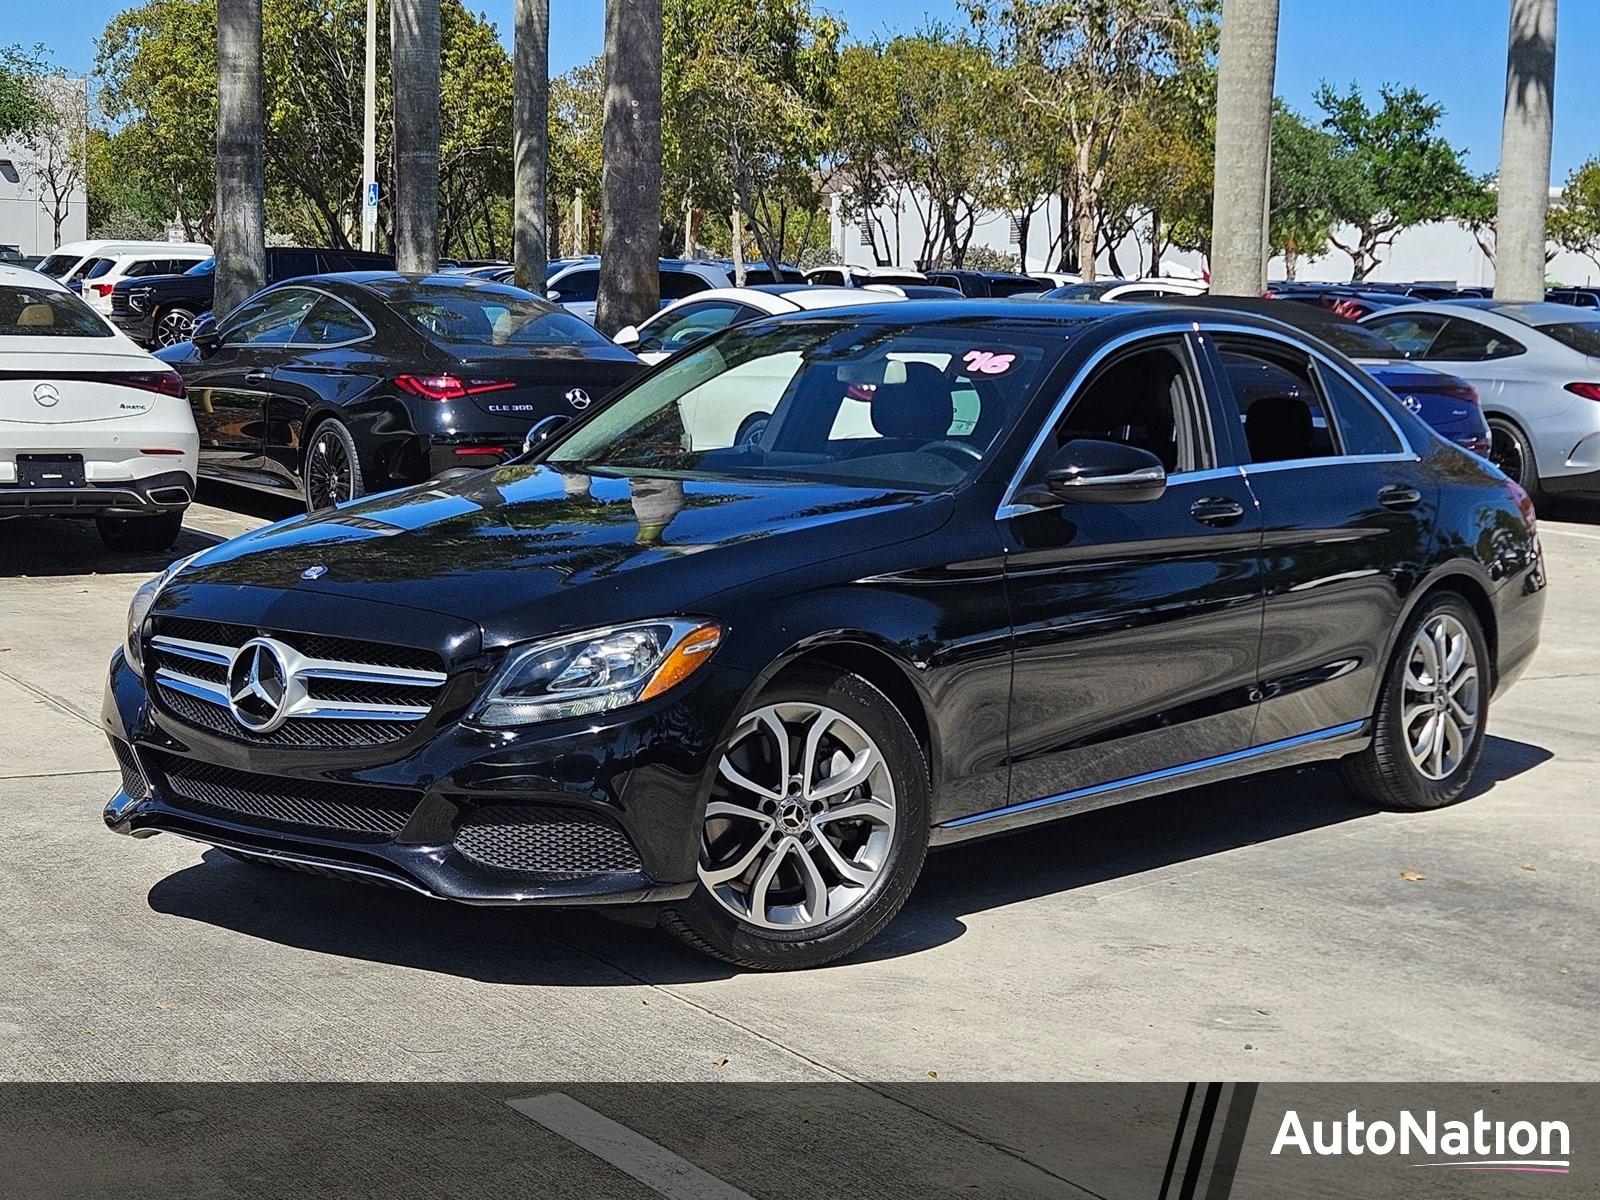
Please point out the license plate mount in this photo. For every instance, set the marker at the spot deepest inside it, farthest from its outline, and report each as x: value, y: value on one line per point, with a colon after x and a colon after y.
x: 50, y: 471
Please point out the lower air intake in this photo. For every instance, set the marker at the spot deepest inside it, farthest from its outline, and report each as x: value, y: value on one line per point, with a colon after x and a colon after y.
x: 547, y: 841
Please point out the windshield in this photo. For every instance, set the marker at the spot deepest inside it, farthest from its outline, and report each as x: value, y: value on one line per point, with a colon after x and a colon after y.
x: 491, y: 316
x: 206, y: 266
x: 914, y: 407
x: 1582, y: 336
x: 1082, y: 291
x: 57, y: 265
x: 42, y: 312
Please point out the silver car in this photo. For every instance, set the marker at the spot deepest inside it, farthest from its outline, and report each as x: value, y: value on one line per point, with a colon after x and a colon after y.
x: 1537, y: 371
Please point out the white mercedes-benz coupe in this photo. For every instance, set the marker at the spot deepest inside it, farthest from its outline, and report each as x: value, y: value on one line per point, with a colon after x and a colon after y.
x: 90, y: 425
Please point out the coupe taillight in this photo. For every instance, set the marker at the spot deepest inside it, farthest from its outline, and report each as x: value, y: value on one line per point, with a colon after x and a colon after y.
x: 449, y: 387
x: 1460, y: 391
x: 167, y: 383
x: 1589, y: 391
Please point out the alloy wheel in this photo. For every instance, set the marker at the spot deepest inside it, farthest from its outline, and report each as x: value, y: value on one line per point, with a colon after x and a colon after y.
x: 329, y: 477
x: 1505, y: 451
x: 1439, y: 709
x: 801, y: 823
x: 174, y: 327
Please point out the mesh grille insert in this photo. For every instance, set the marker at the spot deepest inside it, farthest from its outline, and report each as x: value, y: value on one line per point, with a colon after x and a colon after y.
x: 545, y: 840
x: 132, y: 780
x: 337, y: 809
x: 290, y: 733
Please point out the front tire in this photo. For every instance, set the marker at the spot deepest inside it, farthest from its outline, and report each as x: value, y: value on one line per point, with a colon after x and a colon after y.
x: 143, y: 535
x: 815, y: 829
x: 331, y: 473
x: 1429, y: 728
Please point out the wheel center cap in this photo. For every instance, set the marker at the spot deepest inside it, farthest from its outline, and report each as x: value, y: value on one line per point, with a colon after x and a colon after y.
x: 791, y: 816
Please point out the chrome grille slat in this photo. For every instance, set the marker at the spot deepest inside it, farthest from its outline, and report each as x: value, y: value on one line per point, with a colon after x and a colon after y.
x: 365, y: 700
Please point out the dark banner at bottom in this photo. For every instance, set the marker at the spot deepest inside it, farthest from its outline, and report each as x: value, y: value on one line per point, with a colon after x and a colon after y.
x: 1200, y: 1141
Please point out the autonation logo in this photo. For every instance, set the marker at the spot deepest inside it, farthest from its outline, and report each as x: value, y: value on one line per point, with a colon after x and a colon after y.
x: 1475, y: 1145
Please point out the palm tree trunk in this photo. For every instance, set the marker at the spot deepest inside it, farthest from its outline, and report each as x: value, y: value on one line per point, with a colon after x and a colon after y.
x: 531, y: 66
x: 1524, y: 193
x: 1246, y: 65
x: 630, y: 183
x: 414, y: 37
x: 240, y: 227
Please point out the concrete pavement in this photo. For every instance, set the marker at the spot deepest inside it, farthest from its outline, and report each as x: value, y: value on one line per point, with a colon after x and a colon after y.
x: 1260, y: 929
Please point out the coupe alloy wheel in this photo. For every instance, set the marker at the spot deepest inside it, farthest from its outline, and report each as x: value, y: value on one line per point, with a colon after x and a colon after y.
x: 329, y: 477
x: 1505, y: 451
x: 800, y: 826
x: 1440, y: 713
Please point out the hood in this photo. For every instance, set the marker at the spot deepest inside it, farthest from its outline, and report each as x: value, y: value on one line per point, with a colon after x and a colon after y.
x: 525, y: 550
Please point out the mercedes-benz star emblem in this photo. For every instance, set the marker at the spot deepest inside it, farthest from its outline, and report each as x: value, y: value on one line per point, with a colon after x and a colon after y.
x: 258, y: 685
x: 316, y: 572
x: 47, y: 395
x: 578, y: 398
x: 1412, y: 403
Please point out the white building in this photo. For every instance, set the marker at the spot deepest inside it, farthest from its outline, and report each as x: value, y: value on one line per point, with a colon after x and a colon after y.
x: 1445, y: 252
x: 26, y: 217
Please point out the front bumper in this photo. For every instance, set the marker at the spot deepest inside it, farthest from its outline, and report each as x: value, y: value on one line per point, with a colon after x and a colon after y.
x: 600, y: 811
x: 140, y: 325
x: 170, y: 491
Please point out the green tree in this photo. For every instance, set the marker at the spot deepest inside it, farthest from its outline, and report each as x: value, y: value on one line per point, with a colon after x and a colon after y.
x: 1396, y: 169
x: 1575, y: 218
x: 20, y: 69
x: 867, y: 140
x: 1085, y: 65
x: 577, y: 107
x: 1307, y: 162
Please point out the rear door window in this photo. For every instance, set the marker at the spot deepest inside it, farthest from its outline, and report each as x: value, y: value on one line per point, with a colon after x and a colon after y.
x: 1280, y: 404
x: 1362, y: 428
x: 581, y: 285
x: 1467, y: 341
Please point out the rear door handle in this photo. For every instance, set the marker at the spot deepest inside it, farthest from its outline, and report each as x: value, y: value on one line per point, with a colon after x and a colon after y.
x: 1216, y: 510
x: 1399, y: 496
x: 258, y: 377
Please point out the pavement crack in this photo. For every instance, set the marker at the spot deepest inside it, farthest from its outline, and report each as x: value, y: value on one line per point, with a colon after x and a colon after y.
x: 55, y: 702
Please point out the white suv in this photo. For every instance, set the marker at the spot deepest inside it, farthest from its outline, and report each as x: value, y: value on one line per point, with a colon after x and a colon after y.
x: 90, y: 425
x: 106, y: 271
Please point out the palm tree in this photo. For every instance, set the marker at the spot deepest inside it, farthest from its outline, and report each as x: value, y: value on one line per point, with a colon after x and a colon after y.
x: 531, y: 120
x: 630, y: 183
x: 240, y: 232
x: 1524, y: 200
x: 1246, y: 65
x: 414, y: 39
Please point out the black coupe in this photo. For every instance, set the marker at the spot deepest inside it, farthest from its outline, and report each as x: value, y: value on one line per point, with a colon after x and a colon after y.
x: 990, y: 563
x: 339, y: 385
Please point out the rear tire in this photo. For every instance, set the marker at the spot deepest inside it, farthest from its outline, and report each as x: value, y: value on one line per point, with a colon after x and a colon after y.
x: 751, y: 429
x: 1429, y: 728
x: 1510, y: 450
x: 331, y: 473
x: 772, y: 896
x: 143, y: 535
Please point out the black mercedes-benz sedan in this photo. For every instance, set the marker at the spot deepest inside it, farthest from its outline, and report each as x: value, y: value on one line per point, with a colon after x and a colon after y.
x: 991, y: 563
x: 339, y: 385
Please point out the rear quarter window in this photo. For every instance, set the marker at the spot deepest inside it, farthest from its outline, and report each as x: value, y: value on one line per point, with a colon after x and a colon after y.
x: 1582, y: 336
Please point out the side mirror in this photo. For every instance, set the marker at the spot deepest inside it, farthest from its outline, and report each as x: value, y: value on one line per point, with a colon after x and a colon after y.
x: 553, y: 296
x: 205, y: 335
x: 1094, y: 472
x: 627, y: 336
x: 542, y: 431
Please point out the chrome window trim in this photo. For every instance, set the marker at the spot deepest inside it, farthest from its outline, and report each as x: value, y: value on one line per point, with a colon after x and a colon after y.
x: 371, y: 333
x: 1009, y: 507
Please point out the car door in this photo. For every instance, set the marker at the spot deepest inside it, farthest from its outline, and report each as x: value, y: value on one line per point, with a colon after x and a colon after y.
x: 229, y: 388
x: 577, y: 291
x: 331, y: 362
x: 1137, y: 625
x: 1347, y: 518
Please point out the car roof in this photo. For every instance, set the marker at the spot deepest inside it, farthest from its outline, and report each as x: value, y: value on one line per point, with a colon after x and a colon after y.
x: 1538, y: 313
x: 23, y: 277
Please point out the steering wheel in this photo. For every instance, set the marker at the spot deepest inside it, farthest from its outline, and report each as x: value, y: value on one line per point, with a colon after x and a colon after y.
x: 951, y: 444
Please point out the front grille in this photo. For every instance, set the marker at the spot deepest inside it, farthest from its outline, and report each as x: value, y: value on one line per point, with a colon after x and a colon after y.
x: 119, y: 302
x: 549, y: 841
x: 342, y: 810
x: 132, y: 780
x: 357, y: 693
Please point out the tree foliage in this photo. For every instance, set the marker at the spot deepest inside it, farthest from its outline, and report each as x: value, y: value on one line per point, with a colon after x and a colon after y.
x: 1393, y: 168
x: 1575, y: 219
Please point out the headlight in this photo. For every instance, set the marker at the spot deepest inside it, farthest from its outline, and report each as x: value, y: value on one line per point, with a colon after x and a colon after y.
x: 596, y: 671
x: 139, y: 608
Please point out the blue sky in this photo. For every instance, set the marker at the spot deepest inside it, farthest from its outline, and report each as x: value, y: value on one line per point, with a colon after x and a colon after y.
x: 1454, y: 50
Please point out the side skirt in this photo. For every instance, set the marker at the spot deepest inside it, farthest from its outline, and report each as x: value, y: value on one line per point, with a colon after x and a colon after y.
x: 1309, y: 747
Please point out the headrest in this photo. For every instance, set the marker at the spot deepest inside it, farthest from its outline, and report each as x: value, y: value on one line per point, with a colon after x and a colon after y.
x: 920, y: 409
x: 36, y: 316
x: 1278, y: 427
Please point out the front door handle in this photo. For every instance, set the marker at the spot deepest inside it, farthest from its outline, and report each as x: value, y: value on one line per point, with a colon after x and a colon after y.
x: 1216, y: 510
x: 258, y: 377
x: 1399, y: 496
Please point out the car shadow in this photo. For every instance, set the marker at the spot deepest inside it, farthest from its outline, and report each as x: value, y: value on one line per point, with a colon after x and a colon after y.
x: 1578, y: 512
x: 52, y: 547
x: 582, y: 949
